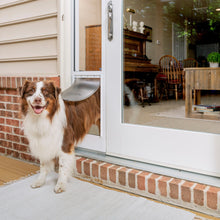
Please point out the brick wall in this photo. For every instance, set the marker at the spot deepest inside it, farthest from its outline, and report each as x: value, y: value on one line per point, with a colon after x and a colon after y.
x: 12, y: 140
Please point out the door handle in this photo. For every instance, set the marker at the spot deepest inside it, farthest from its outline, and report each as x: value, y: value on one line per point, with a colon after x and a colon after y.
x: 110, y: 21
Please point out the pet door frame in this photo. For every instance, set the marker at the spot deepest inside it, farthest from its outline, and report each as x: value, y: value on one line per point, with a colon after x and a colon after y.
x: 69, y: 65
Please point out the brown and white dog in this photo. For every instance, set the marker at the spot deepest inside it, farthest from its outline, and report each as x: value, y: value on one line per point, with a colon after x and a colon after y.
x: 54, y: 126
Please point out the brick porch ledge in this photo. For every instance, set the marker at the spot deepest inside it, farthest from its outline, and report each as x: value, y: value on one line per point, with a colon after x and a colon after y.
x: 191, y: 195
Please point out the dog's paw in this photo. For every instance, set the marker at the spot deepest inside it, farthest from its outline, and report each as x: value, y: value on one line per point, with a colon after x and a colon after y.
x: 60, y: 187
x: 37, y: 184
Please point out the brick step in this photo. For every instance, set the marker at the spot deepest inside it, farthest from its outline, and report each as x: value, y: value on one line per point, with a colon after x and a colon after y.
x: 190, y: 195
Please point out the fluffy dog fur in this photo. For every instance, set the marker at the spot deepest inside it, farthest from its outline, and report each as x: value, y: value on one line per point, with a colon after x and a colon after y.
x: 54, y: 126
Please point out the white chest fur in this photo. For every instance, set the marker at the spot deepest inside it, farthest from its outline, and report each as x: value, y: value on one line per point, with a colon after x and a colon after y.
x: 45, y: 136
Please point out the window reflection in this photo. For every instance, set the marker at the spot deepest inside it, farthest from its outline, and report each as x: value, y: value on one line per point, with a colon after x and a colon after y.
x: 161, y: 39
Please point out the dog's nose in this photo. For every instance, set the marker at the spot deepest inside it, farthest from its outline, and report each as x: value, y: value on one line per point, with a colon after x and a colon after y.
x: 37, y: 100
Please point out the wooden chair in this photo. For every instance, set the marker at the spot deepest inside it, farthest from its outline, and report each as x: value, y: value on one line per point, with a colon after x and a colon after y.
x: 190, y: 62
x: 172, y: 74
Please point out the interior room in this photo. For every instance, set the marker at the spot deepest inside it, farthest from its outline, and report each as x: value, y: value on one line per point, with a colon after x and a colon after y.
x: 163, y: 38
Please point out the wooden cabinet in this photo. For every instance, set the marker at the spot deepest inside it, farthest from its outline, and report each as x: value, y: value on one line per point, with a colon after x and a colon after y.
x: 198, y: 79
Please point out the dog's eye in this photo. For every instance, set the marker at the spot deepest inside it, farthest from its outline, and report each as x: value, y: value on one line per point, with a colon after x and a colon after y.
x: 45, y: 92
x: 30, y: 91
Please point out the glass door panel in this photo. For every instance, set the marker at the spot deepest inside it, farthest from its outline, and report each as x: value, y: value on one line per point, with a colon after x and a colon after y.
x: 161, y: 38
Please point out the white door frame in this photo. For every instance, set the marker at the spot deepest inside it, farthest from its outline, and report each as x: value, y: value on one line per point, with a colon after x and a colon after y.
x: 67, y: 70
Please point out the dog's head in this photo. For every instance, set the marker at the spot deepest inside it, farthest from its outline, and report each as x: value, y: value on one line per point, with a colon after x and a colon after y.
x: 39, y: 98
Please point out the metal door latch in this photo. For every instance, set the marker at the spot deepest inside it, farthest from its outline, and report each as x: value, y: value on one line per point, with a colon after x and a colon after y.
x: 110, y: 21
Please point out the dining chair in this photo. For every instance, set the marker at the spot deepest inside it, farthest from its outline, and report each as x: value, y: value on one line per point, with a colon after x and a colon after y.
x: 172, y: 75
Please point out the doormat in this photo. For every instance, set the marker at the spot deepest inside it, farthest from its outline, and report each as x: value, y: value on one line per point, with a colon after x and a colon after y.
x: 82, y: 200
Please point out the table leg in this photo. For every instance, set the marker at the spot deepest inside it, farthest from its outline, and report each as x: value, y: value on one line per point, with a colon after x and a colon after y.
x: 197, y: 97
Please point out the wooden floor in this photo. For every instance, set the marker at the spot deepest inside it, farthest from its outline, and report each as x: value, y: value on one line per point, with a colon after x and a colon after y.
x: 11, y: 169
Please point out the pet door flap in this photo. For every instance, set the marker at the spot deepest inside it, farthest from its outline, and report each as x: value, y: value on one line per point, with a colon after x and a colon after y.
x: 80, y: 90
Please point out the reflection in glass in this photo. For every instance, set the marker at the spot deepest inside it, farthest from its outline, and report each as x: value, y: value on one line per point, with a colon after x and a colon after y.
x: 161, y: 38
x: 90, y: 35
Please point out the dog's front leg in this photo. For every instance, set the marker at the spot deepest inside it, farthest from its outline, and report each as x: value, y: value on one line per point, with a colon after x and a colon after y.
x: 45, y: 167
x: 66, y: 165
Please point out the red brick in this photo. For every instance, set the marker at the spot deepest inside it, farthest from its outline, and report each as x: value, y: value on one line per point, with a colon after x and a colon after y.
x: 5, y: 98
x: 13, y: 82
x: 104, y: 171
x: 95, y: 169
x: 12, y: 153
x: 131, y: 178
x: 20, y: 147
x: 212, y: 197
x: 13, y: 138
x: 2, y: 113
x: 2, y: 136
x: 35, y: 79
x: 24, y: 140
x: 19, y: 82
x: 4, y: 82
x: 174, y: 188
x: 162, y: 185
x: 13, y: 107
x: 2, y: 150
x: 2, y: 120
x: 12, y: 122
x: 2, y: 106
x: 186, y: 191
x: 5, y: 129
x: 16, y: 99
x: 152, y: 183
x: 141, y: 180
x: 8, y: 114
x: 12, y: 92
x: 79, y: 164
x: 8, y: 82
x: 28, y: 157
x: 2, y: 91
x: 122, y: 176
x: 199, y: 194
x: 87, y: 166
x: 112, y: 173
x: 18, y: 131
x: 7, y: 144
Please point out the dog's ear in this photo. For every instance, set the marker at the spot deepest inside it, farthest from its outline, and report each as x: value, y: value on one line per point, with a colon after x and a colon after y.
x: 23, y: 88
x: 57, y: 92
